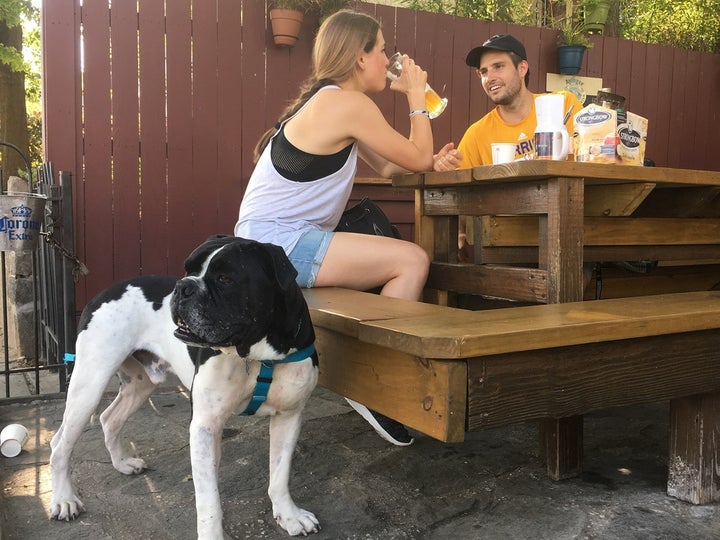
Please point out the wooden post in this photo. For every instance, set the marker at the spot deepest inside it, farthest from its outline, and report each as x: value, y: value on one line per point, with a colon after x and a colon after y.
x: 561, y: 446
x: 694, y: 453
x: 560, y: 253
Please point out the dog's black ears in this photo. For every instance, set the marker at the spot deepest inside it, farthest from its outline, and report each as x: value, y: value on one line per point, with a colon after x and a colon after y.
x: 284, y: 270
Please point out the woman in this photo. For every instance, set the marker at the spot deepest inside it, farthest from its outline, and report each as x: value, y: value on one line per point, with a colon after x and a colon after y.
x: 306, y: 165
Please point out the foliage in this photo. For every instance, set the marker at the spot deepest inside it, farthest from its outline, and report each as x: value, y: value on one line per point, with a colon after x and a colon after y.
x: 12, y: 13
x: 511, y: 11
x: 688, y: 24
x: 32, y: 47
x: 300, y: 5
x: 572, y: 23
x: 284, y: 4
x: 33, y: 88
x: 11, y: 57
x: 324, y: 8
x: 327, y: 7
x: 35, y: 152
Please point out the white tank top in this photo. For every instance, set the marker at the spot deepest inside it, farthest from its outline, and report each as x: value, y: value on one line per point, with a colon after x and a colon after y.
x: 278, y: 211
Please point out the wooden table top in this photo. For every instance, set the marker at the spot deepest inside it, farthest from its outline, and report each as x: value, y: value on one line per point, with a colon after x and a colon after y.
x: 542, y: 169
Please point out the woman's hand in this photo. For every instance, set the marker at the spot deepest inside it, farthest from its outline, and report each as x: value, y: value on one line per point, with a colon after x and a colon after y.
x: 412, y: 78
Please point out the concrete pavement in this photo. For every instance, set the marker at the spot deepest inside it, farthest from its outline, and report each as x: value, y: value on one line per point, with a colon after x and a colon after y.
x: 491, y: 486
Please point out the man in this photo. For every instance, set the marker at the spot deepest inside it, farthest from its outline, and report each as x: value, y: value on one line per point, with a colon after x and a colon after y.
x: 501, y: 63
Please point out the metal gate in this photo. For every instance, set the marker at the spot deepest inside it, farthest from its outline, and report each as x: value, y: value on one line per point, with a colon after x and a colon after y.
x: 44, y: 368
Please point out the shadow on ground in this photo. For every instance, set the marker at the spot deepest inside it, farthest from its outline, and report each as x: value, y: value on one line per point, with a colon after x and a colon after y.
x: 491, y: 486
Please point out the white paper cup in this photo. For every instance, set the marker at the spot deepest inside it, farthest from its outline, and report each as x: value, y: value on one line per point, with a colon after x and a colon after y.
x: 12, y: 438
x: 503, y: 152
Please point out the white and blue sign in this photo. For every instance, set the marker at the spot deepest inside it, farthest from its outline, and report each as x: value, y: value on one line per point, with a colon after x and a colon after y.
x: 20, y: 221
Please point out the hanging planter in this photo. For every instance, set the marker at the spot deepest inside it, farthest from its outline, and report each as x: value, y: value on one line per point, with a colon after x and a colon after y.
x: 570, y: 58
x: 285, y: 24
x: 596, y: 17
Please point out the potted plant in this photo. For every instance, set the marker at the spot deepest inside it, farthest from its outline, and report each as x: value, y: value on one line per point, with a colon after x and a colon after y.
x: 286, y: 17
x: 573, y: 39
x: 326, y: 8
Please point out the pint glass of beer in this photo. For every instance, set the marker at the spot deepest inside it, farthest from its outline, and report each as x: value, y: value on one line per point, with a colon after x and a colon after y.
x: 434, y: 104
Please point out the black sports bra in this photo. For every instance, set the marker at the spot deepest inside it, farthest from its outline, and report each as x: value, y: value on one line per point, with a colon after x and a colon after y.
x: 299, y: 166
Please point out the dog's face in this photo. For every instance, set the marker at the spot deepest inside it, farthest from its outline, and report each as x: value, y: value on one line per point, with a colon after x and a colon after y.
x: 235, y: 293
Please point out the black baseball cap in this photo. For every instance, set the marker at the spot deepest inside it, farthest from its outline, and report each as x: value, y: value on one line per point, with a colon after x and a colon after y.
x: 500, y: 42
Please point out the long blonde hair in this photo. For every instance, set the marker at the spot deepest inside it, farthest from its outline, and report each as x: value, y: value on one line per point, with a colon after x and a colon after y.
x: 335, y: 51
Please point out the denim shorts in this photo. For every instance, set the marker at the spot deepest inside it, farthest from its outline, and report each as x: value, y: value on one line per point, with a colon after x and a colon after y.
x: 308, y: 255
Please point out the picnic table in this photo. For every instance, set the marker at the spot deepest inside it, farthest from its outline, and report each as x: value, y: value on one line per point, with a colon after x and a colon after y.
x: 539, y: 226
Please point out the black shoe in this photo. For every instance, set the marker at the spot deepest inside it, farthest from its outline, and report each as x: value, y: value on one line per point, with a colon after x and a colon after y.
x: 389, y: 429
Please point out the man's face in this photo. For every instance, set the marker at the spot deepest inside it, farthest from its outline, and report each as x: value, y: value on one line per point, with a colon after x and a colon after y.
x: 501, y: 80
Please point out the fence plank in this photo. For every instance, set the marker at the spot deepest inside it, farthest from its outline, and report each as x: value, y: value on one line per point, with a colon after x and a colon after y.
x: 60, y: 24
x: 649, y: 107
x: 253, y: 103
x: 61, y: 107
x: 154, y: 232
x: 609, y: 62
x: 179, y: 126
x: 659, y: 137
x: 125, y: 141
x: 459, y: 102
x: 676, y: 112
x: 691, y: 119
x: 96, y: 177
x: 205, y: 122
x: 231, y: 34
x: 708, y: 113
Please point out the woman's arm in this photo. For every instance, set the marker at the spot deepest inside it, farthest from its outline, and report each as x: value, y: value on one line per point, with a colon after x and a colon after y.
x: 383, y: 148
x: 336, y: 118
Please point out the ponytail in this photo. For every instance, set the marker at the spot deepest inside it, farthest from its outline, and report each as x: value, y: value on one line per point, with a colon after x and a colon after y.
x: 337, y: 43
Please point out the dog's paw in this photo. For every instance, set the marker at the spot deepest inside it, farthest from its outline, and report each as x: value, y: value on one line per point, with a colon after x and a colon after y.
x: 298, y: 522
x: 130, y: 465
x: 66, y: 510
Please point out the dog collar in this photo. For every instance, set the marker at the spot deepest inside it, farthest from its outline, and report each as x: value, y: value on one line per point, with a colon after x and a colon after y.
x: 264, y: 378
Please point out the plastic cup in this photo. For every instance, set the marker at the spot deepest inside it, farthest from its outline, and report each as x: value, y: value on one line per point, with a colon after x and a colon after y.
x: 12, y: 438
x: 434, y: 104
x: 503, y: 152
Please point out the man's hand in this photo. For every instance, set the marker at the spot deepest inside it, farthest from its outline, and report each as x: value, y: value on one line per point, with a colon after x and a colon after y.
x: 447, y: 159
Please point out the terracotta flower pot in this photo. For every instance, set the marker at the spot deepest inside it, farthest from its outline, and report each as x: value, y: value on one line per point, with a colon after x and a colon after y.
x: 285, y: 25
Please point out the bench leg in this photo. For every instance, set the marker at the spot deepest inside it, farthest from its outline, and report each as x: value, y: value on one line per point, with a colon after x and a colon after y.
x: 694, y: 453
x: 561, y: 446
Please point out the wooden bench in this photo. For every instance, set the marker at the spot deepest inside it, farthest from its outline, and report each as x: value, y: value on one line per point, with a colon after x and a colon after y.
x: 445, y: 371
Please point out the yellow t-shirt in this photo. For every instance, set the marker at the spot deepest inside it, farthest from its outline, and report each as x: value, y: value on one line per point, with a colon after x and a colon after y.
x: 475, y: 143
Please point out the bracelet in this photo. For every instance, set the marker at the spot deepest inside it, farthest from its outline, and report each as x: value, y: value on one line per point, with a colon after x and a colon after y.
x: 415, y: 112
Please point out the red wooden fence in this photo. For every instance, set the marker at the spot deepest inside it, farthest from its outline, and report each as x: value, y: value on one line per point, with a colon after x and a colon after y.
x: 154, y: 106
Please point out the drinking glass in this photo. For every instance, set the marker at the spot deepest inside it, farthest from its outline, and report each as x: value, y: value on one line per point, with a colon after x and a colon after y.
x: 434, y: 104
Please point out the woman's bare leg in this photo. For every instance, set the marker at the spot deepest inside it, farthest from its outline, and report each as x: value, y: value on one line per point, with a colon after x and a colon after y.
x: 364, y: 261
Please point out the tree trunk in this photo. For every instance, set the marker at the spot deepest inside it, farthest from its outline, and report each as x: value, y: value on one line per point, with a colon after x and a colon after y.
x: 13, y: 115
x: 612, y: 27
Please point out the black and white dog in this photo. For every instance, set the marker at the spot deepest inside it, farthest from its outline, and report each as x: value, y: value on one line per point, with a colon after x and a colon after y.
x: 236, y: 312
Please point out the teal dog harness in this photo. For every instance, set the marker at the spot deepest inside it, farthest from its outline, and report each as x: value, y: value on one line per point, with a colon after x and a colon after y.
x: 265, y: 375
